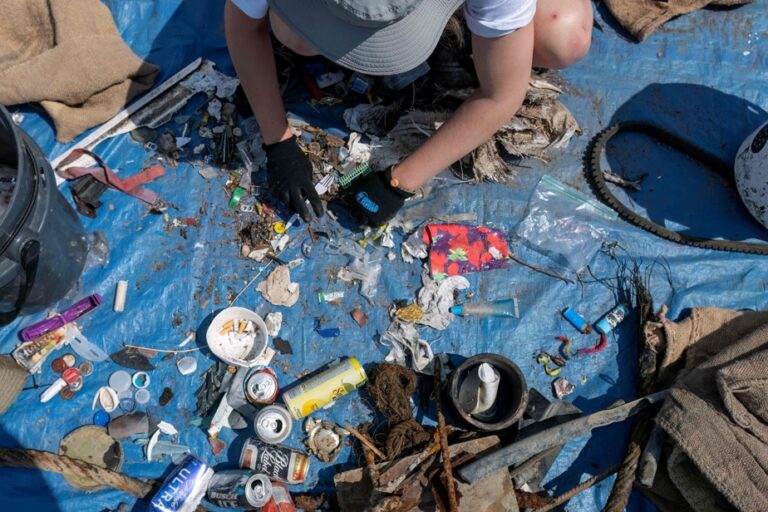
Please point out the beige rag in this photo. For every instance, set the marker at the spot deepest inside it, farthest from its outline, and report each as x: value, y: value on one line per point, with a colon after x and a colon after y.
x: 643, y: 17
x: 716, y: 414
x: 68, y: 56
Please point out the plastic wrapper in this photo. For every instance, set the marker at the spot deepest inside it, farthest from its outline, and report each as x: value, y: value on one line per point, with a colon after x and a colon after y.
x: 564, y: 225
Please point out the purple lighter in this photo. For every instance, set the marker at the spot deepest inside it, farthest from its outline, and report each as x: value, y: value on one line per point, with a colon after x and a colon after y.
x: 59, y: 320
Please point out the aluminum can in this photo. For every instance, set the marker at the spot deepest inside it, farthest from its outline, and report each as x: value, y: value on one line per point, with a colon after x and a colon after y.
x: 273, y: 424
x: 239, y: 489
x: 280, y: 463
x: 261, y: 387
x: 324, y: 388
x: 281, y: 500
x: 184, y: 487
x: 611, y: 319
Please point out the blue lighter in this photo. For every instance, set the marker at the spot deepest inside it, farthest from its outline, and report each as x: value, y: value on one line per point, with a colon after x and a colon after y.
x: 577, y: 321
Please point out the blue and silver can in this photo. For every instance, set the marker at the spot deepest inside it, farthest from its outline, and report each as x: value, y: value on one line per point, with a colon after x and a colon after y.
x: 611, y: 319
x: 184, y: 488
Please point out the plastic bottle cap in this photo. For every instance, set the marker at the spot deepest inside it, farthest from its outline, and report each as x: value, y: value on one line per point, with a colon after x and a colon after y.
x: 140, y: 380
x: 101, y: 418
x: 142, y: 396
x: 457, y: 310
x: 69, y: 360
x: 120, y: 381
x: 86, y: 368
x: 127, y: 404
x: 58, y: 365
x: 279, y: 227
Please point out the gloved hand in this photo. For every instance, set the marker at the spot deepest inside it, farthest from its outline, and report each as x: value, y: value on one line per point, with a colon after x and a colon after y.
x: 374, y: 200
x: 289, y: 173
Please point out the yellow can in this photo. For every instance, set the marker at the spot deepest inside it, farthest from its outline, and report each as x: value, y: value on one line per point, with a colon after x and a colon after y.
x: 324, y: 388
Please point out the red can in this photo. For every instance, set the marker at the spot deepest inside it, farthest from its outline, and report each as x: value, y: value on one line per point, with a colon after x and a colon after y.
x: 281, y: 500
x: 261, y: 387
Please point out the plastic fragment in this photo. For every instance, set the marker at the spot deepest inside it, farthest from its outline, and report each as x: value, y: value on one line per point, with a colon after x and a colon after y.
x: 331, y: 297
x: 359, y: 316
x: 411, y: 313
x: 544, y: 359
x: 329, y: 332
x: 562, y: 388
x: 166, y: 396
x: 566, y: 345
x: 601, y: 344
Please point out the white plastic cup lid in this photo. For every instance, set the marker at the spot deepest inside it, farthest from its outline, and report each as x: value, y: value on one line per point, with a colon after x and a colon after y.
x: 141, y: 396
x: 120, y: 381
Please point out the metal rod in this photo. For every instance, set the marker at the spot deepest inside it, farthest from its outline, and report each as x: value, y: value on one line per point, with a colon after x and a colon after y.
x: 524, y: 449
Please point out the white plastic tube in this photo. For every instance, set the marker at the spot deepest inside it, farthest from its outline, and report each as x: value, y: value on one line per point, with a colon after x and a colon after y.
x: 120, y: 292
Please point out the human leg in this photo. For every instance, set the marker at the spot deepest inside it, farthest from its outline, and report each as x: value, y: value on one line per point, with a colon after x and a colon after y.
x: 562, y: 32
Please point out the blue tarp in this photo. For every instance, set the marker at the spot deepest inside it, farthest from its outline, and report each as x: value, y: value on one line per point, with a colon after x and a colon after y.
x: 702, y: 76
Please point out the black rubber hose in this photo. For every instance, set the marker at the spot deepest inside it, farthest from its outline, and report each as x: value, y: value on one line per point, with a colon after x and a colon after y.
x: 600, y: 187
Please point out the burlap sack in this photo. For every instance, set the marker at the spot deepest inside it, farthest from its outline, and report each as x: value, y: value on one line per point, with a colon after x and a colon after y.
x: 643, y: 17
x: 68, y: 56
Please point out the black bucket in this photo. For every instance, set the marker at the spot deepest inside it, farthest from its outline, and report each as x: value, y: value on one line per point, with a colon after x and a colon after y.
x: 43, y: 247
x: 512, y: 396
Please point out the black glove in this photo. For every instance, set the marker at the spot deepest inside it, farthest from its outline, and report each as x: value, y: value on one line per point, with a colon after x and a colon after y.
x: 289, y: 173
x: 374, y: 200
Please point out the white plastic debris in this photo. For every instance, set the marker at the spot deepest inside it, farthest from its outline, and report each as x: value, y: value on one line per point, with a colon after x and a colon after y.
x: 211, y: 81
x: 403, y: 340
x: 436, y: 300
x: 107, y: 399
x: 120, y: 293
x: 274, y: 321
x: 167, y: 428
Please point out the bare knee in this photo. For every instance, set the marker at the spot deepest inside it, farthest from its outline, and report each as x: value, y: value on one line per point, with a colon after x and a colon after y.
x: 562, y: 31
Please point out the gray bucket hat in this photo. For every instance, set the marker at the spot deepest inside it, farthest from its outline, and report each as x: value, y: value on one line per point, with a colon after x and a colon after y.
x: 375, y: 37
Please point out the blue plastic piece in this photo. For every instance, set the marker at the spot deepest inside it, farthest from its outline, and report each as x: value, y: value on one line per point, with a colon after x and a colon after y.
x: 101, y: 418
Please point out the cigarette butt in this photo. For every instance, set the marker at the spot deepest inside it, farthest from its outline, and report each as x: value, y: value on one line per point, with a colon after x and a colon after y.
x: 120, y: 292
x: 243, y: 325
x: 227, y: 327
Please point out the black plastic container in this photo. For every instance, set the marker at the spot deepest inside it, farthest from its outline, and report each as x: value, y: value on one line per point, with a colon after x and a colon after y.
x: 43, y: 246
x: 511, y: 400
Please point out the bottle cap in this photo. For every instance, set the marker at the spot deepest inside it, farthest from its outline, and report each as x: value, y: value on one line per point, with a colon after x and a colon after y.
x: 142, y: 396
x: 457, y: 310
x: 101, y: 418
x: 120, y: 381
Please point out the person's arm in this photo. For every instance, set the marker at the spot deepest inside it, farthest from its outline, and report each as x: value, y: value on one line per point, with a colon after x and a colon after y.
x: 503, y: 68
x: 289, y: 171
x: 251, y: 50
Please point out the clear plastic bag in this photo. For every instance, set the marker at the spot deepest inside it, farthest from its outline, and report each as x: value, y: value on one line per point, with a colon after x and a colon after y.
x: 564, y: 225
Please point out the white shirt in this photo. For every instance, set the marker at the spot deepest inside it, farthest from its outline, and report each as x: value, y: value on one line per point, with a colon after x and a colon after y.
x: 485, y: 18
